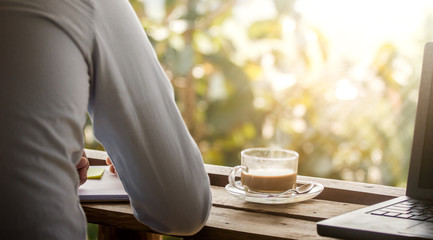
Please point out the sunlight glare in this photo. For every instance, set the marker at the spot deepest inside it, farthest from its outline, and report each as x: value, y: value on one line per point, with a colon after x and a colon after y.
x: 198, y: 72
x: 282, y: 81
x: 345, y: 90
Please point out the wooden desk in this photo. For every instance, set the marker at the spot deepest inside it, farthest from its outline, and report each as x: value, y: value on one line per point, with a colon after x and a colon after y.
x: 232, y: 218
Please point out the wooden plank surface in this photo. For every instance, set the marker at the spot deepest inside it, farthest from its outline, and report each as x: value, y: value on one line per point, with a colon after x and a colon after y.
x: 223, y: 223
x: 250, y: 225
x: 232, y: 218
x: 335, y: 190
x: 312, y: 210
x: 113, y: 214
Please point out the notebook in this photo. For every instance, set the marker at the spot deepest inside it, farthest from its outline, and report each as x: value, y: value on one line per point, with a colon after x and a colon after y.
x: 107, y: 188
x: 410, y: 216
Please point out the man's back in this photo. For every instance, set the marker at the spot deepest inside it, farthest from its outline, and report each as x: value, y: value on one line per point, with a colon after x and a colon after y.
x: 58, y: 59
x: 43, y: 105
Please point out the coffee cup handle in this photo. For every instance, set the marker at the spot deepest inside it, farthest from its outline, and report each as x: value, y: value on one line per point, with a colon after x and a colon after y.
x: 232, y: 177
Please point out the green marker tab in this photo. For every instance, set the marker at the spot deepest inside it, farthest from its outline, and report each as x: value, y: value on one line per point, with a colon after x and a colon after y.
x: 95, y: 172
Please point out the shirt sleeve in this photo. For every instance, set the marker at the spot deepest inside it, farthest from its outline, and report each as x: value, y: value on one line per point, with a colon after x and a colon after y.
x: 136, y: 119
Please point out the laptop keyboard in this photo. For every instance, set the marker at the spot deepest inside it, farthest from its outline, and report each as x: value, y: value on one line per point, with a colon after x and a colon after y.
x: 408, y: 209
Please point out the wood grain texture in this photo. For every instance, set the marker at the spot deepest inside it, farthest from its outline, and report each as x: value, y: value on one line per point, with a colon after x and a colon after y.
x: 229, y: 224
x: 312, y: 210
x: 335, y: 190
x: 232, y: 218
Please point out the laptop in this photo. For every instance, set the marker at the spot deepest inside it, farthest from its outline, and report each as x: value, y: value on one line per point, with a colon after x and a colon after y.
x: 410, y: 216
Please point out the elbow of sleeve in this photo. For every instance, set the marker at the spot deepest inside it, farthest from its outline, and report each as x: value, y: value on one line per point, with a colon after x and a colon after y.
x: 180, y: 218
x: 192, y: 222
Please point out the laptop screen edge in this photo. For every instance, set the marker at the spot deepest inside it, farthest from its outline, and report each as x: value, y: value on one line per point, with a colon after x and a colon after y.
x: 422, y: 130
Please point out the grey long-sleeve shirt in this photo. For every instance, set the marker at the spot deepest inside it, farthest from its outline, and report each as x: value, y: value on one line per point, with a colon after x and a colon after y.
x: 58, y: 59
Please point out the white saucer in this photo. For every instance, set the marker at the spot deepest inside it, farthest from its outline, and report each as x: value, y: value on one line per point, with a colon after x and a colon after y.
x: 278, y: 199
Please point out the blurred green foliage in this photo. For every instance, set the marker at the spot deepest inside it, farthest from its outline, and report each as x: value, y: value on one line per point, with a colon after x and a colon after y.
x: 269, y: 82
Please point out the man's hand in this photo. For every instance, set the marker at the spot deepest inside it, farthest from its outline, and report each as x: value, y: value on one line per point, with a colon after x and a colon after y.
x: 109, y: 163
x: 82, y: 167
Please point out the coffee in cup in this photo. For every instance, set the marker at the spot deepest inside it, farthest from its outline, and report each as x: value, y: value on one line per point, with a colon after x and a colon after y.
x: 266, y: 170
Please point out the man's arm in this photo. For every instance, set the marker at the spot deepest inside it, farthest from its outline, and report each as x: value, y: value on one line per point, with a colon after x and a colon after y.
x: 136, y: 118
